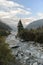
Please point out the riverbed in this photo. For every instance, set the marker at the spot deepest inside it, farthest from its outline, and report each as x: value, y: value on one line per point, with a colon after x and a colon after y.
x: 28, y: 53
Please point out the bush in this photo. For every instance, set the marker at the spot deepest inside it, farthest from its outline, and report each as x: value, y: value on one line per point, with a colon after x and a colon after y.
x: 5, y: 53
x: 4, y: 33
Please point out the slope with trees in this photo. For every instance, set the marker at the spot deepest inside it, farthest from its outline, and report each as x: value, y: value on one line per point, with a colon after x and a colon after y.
x: 4, y: 29
x: 30, y: 35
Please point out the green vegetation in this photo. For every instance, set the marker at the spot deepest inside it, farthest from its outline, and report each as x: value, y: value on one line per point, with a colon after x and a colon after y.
x: 30, y: 35
x: 5, y: 53
x: 20, y: 28
x: 4, y: 33
x: 6, y: 57
x: 4, y: 29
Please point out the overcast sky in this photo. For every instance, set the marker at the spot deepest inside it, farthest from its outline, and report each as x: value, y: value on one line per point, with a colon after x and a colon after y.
x: 21, y: 9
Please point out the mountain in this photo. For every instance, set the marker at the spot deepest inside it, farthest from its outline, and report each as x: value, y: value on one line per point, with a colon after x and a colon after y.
x: 11, y: 22
x: 35, y: 24
x: 14, y: 22
x: 4, y: 26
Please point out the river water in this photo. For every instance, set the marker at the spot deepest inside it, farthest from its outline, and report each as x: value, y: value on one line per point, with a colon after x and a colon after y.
x: 28, y: 53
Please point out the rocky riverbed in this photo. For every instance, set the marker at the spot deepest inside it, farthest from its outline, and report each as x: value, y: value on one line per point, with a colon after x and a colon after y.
x: 28, y: 53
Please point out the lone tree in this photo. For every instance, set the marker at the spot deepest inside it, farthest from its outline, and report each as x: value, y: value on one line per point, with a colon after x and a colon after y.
x: 20, y: 28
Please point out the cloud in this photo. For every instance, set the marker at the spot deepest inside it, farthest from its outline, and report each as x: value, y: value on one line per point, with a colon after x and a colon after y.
x: 28, y: 20
x: 3, y: 14
x: 20, y: 11
x: 40, y: 15
x: 29, y: 9
x: 7, y: 3
x: 13, y: 10
x: 10, y: 9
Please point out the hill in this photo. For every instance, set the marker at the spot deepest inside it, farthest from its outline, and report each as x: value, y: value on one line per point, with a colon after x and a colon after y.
x: 35, y: 24
x: 4, y: 26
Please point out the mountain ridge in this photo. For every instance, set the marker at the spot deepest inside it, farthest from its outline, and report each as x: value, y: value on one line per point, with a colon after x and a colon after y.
x: 35, y: 24
x: 4, y: 26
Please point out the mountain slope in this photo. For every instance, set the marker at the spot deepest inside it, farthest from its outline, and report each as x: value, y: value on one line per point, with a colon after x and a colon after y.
x: 35, y: 24
x: 4, y: 26
x: 11, y: 22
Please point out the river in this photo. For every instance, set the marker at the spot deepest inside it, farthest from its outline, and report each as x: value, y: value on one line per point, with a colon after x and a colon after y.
x: 28, y: 53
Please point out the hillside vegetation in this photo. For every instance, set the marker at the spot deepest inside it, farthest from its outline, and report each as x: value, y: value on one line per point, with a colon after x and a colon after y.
x: 30, y: 35
x: 4, y: 29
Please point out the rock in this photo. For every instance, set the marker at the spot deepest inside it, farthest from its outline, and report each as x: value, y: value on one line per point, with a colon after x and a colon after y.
x: 29, y: 54
x: 22, y: 40
x: 16, y: 55
x: 35, y: 63
x: 15, y: 47
x: 22, y: 54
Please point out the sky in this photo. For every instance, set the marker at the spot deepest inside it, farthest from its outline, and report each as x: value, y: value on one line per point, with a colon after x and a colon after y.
x: 27, y: 10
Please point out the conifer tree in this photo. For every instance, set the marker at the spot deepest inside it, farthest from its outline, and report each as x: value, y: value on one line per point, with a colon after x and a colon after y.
x: 20, y: 26
x: 20, y: 29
